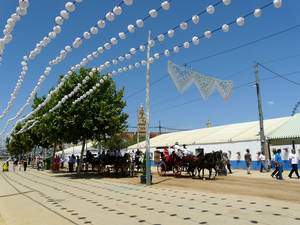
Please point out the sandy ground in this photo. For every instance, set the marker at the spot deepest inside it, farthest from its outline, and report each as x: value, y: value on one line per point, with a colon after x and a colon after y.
x: 42, y: 197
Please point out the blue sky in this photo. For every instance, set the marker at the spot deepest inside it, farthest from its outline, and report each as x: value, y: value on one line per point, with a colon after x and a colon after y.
x: 280, y: 53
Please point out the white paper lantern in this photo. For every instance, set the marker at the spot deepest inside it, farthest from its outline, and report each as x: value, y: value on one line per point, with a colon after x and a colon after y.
x: 207, y: 34
x: 142, y: 48
x: 122, y: 35
x: 161, y: 37
x: 90, y: 57
x: 130, y: 67
x: 115, y: 62
x: 107, y: 46
x: 277, y: 3
x: 21, y: 11
x: 153, y: 13
x: 52, y: 35
x: 156, y: 55
x: 128, y: 2
x: 94, y: 30
x: 225, y: 28
x: 59, y: 20
x: 120, y: 70
x: 100, y: 50
x: 127, y: 56
x: 143, y: 62
x: 64, y: 14
x: 137, y: 64
x: 257, y: 13
x: 195, y: 19
x: 114, y: 41
x: 57, y: 29
x: 183, y: 26
x: 226, y: 2
x: 165, y: 5
x: 167, y: 52
x: 97, y: 85
x: 110, y: 16
x: 195, y: 40
x: 132, y: 51
x: 16, y: 17
x: 70, y: 6
x: 121, y: 58
x: 95, y: 54
x: 68, y: 48
x: 101, y: 24
x: 24, y: 3
x: 240, y: 21
x: 140, y: 23
x: 107, y: 64
x: 125, y: 69
x: 151, y: 43
x: 171, y: 33
x: 186, y: 44
x: 114, y: 72
x: 130, y: 28
x: 210, y: 9
x: 117, y: 10
x: 176, y: 49
x: 63, y: 53
x: 86, y: 35
x: 11, y: 22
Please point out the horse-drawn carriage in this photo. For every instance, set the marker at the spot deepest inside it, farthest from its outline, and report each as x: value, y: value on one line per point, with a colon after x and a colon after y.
x: 190, y: 164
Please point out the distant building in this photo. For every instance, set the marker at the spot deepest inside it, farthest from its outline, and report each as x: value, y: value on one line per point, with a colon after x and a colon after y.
x: 141, y: 128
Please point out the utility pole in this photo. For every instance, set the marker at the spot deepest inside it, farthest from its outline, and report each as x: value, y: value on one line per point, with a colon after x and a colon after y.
x: 261, y: 118
x: 159, y: 127
x: 148, y: 169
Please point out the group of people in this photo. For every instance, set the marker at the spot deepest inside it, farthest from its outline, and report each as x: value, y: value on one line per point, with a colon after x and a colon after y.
x: 176, y: 149
x: 277, y: 162
x: 18, y: 164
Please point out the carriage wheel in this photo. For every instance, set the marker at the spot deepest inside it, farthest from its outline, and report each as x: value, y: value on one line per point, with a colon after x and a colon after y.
x: 161, y: 169
x: 177, y: 171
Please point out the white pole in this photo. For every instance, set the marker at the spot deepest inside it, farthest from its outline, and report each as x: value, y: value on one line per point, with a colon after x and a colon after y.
x: 148, y: 170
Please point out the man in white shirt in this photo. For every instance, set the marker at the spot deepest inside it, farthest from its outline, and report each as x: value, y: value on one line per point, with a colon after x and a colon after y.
x: 262, y: 159
x: 294, y: 163
x: 177, y: 150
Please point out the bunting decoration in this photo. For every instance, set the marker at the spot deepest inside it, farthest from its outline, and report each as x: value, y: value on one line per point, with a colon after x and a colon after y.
x: 184, y: 78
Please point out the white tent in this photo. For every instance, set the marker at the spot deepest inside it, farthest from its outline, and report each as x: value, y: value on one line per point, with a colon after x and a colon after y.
x: 76, y: 150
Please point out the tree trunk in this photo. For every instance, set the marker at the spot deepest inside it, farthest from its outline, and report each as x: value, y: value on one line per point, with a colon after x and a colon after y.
x: 81, y: 156
x: 52, y: 158
x: 33, y: 158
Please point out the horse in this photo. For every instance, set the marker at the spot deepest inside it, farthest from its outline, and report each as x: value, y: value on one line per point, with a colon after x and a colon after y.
x: 208, y: 161
x: 122, y: 164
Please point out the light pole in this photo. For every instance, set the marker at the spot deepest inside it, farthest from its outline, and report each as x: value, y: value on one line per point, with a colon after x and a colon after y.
x: 148, y: 169
x: 261, y: 118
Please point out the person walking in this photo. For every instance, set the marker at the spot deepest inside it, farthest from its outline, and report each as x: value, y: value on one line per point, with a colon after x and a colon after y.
x: 248, y: 160
x: 227, y: 160
x: 294, y: 163
x: 25, y: 164
x: 20, y: 165
x: 279, y: 164
x: 262, y: 160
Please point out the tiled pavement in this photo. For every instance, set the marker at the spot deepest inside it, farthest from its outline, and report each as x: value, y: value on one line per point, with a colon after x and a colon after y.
x: 106, y: 201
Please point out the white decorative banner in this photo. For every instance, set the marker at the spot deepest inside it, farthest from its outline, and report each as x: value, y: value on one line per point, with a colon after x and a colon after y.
x: 184, y: 78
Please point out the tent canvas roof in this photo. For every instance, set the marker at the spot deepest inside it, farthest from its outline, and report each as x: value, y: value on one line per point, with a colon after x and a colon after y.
x: 248, y: 131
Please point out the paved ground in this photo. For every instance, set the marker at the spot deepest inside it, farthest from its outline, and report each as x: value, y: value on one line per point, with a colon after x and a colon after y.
x: 36, y: 197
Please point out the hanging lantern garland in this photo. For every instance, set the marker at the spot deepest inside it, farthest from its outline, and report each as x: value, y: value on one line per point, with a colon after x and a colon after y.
x: 223, y: 87
x: 21, y: 10
x: 64, y: 14
x: 164, y: 5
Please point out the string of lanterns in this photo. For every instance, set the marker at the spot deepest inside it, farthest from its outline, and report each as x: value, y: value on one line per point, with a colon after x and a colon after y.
x: 161, y: 37
x: 153, y: 13
x: 21, y: 10
x: 64, y: 15
x: 70, y: 7
x: 240, y: 21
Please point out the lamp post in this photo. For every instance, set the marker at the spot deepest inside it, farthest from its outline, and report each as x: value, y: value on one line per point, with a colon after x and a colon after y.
x: 148, y: 169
